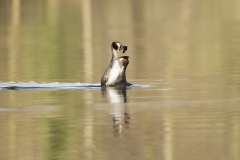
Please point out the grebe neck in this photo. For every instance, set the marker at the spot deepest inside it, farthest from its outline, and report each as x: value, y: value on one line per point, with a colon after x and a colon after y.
x: 114, y: 53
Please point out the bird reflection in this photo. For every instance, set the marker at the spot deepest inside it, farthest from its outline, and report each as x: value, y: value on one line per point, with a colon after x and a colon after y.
x: 118, y: 99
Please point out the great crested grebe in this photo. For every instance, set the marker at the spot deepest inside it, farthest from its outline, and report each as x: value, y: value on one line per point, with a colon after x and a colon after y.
x: 112, y: 72
x: 122, y: 81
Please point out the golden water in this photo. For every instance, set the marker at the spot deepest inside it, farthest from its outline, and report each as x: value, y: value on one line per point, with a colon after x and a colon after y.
x: 185, y: 55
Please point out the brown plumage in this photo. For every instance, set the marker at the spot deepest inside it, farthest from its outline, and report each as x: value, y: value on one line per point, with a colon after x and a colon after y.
x: 122, y: 81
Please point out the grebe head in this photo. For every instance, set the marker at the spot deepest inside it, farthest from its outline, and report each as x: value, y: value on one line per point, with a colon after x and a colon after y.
x: 124, y: 60
x: 119, y: 46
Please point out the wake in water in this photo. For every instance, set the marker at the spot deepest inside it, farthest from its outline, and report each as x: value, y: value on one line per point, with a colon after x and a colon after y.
x: 35, y: 85
x: 53, y: 85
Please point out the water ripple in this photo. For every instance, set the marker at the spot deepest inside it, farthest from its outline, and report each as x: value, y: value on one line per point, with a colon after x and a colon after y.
x: 52, y: 85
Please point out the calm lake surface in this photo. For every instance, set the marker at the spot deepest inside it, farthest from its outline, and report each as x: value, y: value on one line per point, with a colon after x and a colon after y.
x: 184, y: 63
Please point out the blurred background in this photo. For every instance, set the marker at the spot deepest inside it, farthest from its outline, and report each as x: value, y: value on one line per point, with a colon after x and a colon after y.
x: 187, y: 52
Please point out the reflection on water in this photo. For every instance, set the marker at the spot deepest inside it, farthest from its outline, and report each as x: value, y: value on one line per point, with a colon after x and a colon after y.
x: 14, y: 38
x: 117, y: 97
x: 58, y: 136
x: 184, y: 103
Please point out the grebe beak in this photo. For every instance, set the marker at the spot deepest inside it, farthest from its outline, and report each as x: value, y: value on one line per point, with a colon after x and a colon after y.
x: 123, y: 47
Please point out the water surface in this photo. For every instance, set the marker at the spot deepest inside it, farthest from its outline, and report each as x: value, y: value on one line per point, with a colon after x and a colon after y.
x: 184, y: 63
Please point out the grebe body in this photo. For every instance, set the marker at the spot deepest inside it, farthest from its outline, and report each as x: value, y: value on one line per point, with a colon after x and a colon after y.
x: 113, y: 70
x: 122, y: 81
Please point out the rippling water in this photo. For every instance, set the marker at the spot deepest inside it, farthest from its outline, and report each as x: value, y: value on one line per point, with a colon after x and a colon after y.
x: 184, y: 67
